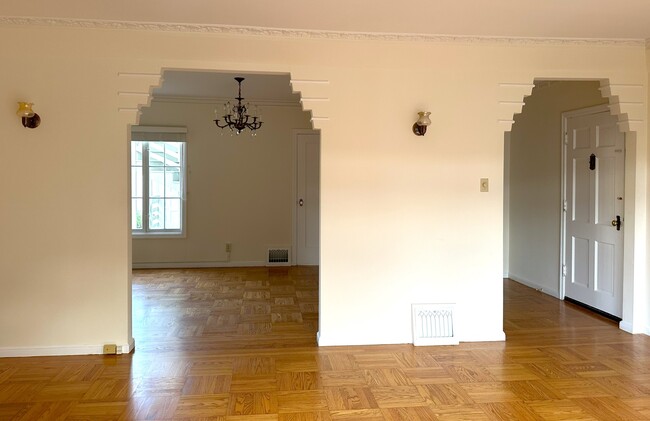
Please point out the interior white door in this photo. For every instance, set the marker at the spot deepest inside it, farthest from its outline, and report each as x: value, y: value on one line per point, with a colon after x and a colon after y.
x: 307, y: 198
x: 595, y: 159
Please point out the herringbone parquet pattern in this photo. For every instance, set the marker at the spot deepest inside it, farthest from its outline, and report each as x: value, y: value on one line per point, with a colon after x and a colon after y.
x: 239, y: 344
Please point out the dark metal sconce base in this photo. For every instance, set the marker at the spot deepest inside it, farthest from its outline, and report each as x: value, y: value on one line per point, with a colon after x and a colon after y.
x: 32, y: 122
x: 419, y: 130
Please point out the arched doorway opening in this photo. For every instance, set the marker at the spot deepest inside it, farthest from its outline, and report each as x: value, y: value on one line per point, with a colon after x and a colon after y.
x: 534, y: 212
x: 239, y: 202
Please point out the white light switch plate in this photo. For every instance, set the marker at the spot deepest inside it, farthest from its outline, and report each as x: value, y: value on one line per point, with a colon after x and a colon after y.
x: 485, y: 185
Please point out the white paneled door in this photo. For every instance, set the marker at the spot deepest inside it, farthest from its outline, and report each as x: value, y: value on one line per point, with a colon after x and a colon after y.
x: 595, y: 159
x: 307, y: 198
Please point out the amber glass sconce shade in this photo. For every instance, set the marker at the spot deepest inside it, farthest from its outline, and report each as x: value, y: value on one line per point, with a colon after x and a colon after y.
x: 30, y: 119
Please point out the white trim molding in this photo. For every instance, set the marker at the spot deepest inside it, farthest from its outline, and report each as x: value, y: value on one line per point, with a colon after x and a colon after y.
x: 307, y: 33
x: 360, y: 340
x: 629, y: 328
x: 534, y: 285
x: 625, y: 326
x: 191, y: 265
x: 52, y: 351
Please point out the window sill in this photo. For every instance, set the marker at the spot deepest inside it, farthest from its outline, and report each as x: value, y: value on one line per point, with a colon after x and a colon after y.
x: 152, y: 235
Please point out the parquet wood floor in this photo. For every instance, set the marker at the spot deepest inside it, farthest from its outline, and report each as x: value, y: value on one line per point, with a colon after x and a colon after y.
x: 239, y: 344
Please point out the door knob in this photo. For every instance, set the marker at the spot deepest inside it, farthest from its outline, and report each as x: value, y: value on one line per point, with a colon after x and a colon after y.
x: 617, y: 222
x: 301, y: 202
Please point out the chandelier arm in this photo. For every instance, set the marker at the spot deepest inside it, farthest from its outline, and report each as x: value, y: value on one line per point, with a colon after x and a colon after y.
x: 219, y: 125
x: 254, y: 125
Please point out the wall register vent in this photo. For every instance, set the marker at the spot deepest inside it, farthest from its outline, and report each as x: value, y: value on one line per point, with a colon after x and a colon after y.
x: 433, y: 324
x: 278, y: 257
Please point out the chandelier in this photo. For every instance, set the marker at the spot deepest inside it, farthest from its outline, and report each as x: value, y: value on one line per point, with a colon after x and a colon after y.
x: 236, y: 117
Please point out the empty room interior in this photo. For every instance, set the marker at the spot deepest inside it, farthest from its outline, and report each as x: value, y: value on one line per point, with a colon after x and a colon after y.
x: 302, y: 211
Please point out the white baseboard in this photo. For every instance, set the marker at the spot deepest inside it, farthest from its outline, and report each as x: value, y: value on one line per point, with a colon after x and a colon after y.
x: 534, y: 285
x: 190, y: 265
x: 51, y: 351
x: 626, y: 326
x: 506, y: 275
x: 497, y: 336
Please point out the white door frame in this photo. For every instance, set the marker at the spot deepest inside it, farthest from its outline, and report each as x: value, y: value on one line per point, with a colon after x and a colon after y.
x: 294, y: 193
x: 563, y: 199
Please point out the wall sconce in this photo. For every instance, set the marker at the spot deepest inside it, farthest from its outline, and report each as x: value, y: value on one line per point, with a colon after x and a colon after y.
x: 30, y: 119
x: 420, y: 126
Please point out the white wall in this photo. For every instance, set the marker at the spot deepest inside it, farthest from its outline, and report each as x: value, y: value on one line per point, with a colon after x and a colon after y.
x: 647, y: 286
x: 402, y: 218
x: 536, y: 182
x: 239, y: 188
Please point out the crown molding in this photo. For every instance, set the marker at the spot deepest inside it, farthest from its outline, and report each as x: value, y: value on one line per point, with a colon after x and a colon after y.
x: 307, y: 33
x: 218, y: 101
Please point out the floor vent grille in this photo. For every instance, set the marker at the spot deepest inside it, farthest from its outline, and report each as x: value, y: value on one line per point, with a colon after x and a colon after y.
x: 278, y: 257
x: 433, y: 324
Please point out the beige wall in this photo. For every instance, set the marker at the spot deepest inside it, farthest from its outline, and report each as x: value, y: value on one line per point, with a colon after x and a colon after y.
x: 536, y: 182
x: 402, y: 218
x: 239, y: 187
x: 647, y: 286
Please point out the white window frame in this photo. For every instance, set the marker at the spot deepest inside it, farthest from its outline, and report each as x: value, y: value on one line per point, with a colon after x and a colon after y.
x: 145, y: 134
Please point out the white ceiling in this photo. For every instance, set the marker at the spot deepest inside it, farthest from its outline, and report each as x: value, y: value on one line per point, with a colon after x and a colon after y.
x: 610, y: 19
x: 210, y: 85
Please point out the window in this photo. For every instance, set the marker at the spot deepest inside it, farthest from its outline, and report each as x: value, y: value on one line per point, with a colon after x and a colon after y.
x: 157, y: 184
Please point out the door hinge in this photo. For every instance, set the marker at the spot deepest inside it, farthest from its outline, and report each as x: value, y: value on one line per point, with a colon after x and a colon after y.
x: 564, y: 206
x: 564, y: 270
x: 566, y: 138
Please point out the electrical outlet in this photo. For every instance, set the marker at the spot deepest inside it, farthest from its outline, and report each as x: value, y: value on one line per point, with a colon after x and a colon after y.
x: 228, y: 247
x: 110, y: 349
